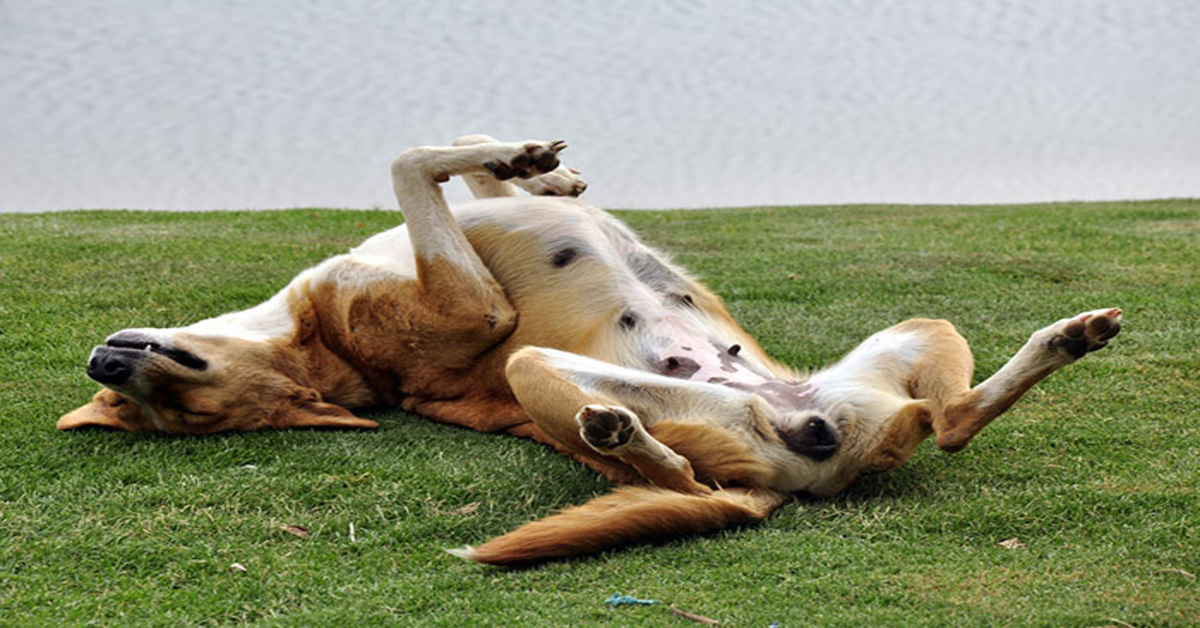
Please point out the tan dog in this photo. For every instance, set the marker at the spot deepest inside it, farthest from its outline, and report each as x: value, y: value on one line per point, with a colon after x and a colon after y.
x: 547, y: 318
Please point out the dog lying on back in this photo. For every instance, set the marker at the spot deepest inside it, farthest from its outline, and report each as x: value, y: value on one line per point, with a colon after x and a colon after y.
x: 544, y: 317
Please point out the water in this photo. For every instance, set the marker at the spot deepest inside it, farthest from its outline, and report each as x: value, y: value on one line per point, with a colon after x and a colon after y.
x: 275, y: 103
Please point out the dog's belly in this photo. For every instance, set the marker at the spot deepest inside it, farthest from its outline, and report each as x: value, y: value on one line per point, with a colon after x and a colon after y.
x: 692, y: 351
x: 582, y: 282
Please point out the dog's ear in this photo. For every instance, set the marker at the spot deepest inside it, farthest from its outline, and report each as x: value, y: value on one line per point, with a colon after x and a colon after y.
x: 107, y: 409
x: 307, y: 410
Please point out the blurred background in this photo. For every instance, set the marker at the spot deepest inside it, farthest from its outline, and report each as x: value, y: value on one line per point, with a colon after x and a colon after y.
x: 181, y: 104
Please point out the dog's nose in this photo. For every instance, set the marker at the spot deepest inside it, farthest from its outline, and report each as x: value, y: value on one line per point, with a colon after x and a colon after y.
x: 815, y: 439
x: 109, y: 367
x: 818, y: 430
x: 818, y: 433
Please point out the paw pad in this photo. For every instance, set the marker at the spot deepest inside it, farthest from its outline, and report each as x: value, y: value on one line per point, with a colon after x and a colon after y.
x: 536, y: 158
x: 1087, y: 332
x: 606, y: 427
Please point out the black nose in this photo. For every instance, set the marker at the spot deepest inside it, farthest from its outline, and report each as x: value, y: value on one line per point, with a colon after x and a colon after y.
x: 814, y: 439
x: 818, y: 430
x: 109, y: 366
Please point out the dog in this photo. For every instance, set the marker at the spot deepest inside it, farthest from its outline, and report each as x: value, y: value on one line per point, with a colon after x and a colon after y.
x: 544, y: 317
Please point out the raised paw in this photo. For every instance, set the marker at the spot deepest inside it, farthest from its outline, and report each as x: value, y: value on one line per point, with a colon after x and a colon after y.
x: 605, y: 427
x: 532, y: 158
x: 562, y: 181
x: 1086, y: 332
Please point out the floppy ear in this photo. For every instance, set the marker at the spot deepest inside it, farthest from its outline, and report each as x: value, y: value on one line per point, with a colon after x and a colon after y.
x: 310, y: 412
x: 107, y: 409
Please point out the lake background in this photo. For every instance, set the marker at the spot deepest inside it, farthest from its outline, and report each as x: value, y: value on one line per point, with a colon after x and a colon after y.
x: 184, y: 104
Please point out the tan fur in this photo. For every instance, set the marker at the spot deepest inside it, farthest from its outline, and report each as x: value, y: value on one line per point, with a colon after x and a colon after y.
x: 625, y: 516
x: 548, y: 319
x: 552, y: 402
x: 107, y: 409
x: 717, y: 455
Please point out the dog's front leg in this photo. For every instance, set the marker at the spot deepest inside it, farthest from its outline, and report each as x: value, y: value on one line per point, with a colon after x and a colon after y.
x: 464, y: 300
x: 562, y: 181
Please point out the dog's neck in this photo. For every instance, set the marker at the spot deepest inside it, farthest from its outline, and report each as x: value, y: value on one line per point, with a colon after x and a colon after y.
x: 316, y: 365
x: 302, y: 350
x: 322, y: 359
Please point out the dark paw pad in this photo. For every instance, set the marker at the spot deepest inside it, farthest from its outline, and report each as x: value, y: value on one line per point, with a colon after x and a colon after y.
x: 539, y: 158
x: 546, y: 162
x: 1074, y: 347
x: 1103, y: 327
x: 1087, y: 333
x: 536, y: 158
x: 500, y: 170
x: 606, y: 428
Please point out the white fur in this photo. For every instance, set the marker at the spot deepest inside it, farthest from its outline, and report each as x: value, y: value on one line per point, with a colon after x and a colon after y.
x: 390, y: 251
x: 1036, y: 359
x: 465, y: 552
x: 687, y: 400
x: 265, y: 321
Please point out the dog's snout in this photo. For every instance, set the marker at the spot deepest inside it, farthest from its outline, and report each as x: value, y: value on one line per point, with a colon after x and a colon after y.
x: 131, y: 340
x: 110, y: 367
x: 140, y: 341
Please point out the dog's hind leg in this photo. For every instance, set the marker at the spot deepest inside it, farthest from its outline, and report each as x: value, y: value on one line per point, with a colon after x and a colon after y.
x: 561, y: 181
x: 617, y: 432
x: 926, y: 368
x: 594, y: 425
x: 670, y: 430
x: 904, y: 375
x: 597, y: 426
x: 1046, y: 351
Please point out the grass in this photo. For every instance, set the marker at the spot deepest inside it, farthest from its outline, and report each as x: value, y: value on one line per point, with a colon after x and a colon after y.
x: 1095, y: 471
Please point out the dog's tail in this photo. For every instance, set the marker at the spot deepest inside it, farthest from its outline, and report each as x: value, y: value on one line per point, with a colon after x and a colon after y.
x: 627, y: 515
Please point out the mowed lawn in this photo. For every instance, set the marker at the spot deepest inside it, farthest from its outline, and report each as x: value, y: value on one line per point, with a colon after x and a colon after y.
x: 1096, y: 471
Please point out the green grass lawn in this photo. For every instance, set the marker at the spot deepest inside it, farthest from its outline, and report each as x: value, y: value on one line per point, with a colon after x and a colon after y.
x: 1096, y: 471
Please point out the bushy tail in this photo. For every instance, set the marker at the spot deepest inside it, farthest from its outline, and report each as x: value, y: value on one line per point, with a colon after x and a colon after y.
x: 627, y: 515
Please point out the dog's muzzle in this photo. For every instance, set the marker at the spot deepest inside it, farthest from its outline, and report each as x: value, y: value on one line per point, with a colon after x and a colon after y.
x: 115, y: 362
x: 815, y: 439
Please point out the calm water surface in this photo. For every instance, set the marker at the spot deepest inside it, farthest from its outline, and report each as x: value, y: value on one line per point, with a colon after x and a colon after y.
x: 196, y: 105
